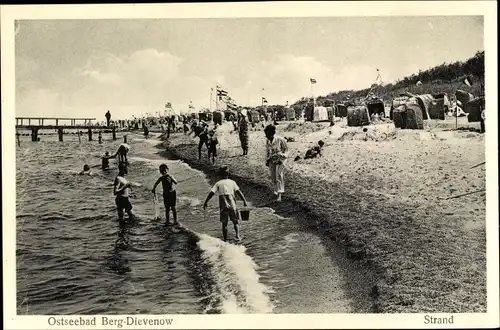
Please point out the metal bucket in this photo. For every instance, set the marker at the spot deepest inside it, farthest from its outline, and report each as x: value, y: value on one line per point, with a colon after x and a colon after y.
x: 245, y: 215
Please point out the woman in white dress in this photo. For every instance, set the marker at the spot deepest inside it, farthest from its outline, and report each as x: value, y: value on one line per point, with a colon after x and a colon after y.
x: 276, y: 156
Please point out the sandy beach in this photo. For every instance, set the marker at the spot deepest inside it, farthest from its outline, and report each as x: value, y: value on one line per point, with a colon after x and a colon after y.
x: 381, y: 196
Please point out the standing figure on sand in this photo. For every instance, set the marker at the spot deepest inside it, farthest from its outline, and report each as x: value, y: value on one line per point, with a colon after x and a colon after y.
x: 212, y: 146
x: 227, y: 190
x: 169, y: 193
x: 202, y: 131
x: 121, y: 191
x: 276, y: 155
x: 243, y: 132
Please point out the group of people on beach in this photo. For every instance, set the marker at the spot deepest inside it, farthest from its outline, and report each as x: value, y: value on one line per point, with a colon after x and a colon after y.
x: 226, y: 189
x: 276, y: 148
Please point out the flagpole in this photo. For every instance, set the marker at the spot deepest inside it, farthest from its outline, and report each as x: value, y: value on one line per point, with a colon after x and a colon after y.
x: 312, y: 94
x: 211, y: 91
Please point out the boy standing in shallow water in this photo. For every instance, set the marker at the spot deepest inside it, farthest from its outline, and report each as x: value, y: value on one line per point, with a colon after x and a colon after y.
x: 121, y: 191
x: 169, y: 193
x: 227, y: 189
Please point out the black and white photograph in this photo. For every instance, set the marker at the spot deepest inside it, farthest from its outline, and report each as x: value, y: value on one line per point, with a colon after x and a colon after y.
x: 320, y: 165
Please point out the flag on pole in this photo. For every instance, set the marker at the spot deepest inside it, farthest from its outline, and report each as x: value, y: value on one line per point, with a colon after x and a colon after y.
x: 468, y: 81
x: 221, y: 92
x: 264, y: 100
x: 379, y: 77
x: 313, y: 81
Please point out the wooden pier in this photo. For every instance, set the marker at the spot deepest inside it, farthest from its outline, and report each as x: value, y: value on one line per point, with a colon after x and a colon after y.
x: 35, y: 124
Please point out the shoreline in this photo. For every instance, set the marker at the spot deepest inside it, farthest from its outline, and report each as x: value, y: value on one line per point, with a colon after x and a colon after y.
x: 358, y: 281
x: 414, y: 253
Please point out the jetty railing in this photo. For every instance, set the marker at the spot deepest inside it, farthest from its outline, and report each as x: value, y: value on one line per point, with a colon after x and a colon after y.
x: 38, y: 123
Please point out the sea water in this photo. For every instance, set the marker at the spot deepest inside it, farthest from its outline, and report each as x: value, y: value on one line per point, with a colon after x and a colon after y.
x: 74, y: 258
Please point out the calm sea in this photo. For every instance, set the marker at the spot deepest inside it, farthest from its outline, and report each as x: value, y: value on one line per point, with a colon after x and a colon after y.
x: 73, y: 257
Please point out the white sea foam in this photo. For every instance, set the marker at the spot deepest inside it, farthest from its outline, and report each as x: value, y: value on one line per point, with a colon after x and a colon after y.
x: 191, y: 200
x: 154, y: 163
x: 235, y: 274
x: 152, y: 141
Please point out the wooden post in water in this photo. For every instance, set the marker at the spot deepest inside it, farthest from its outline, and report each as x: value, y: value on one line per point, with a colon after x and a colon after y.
x: 114, y: 132
x: 79, y: 136
x: 34, y: 134
x: 125, y: 139
x: 60, y: 132
x: 18, y: 139
x: 90, y: 134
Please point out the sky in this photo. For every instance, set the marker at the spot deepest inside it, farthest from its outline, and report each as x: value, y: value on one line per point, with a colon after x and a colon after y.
x: 71, y: 68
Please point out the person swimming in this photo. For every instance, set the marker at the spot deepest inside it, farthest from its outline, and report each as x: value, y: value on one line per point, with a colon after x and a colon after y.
x: 105, y: 161
x: 86, y: 170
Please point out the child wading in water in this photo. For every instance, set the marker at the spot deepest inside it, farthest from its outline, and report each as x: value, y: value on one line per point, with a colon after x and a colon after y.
x: 227, y: 189
x: 105, y: 161
x: 121, y: 191
x: 169, y: 193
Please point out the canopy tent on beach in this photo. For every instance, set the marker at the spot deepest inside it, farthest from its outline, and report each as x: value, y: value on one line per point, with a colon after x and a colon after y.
x: 433, y: 106
x: 474, y: 109
x: 398, y: 116
x: 375, y: 105
x: 331, y: 113
x: 341, y: 110
x: 408, y: 116
x: 463, y: 97
x: 424, y: 101
x: 290, y: 113
x: 397, y: 101
x: 358, y: 116
x: 440, y: 106
x: 320, y: 114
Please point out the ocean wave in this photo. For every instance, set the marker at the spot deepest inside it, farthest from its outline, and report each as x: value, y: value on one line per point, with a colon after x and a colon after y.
x: 152, y: 141
x: 154, y: 163
x: 192, y: 201
x: 237, y: 288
